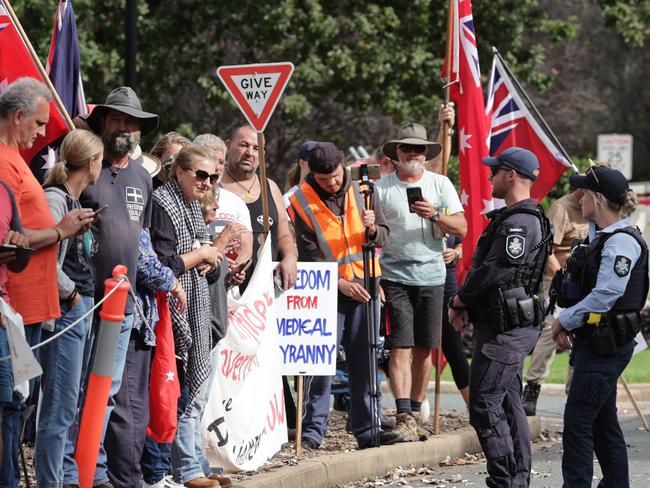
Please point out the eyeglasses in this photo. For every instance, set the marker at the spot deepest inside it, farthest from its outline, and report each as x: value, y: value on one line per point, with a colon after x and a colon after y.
x: 416, y: 148
x: 495, y: 169
x: 201, y: 175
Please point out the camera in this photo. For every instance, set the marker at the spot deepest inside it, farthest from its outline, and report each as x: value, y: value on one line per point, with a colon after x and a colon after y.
x: 365, y: 172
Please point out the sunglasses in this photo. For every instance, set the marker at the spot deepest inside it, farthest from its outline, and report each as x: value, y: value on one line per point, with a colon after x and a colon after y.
x: 416, y: 148
x: 201, y: 175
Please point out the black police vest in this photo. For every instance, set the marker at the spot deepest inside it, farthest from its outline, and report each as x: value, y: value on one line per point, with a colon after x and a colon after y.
x: 531, y: 272
x: 637, y: 287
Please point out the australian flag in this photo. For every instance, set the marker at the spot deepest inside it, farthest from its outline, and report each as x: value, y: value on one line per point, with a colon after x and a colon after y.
x: 511, y: 123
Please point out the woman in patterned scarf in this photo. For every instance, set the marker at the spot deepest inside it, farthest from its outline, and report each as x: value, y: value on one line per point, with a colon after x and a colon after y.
x: 176, y: 231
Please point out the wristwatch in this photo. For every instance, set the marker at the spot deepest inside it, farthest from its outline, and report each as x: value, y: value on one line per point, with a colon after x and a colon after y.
x: 436, y: 215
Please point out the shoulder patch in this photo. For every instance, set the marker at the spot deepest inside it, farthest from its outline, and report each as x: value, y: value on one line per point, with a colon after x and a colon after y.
x: 622, y: 266
x: 515, y: 245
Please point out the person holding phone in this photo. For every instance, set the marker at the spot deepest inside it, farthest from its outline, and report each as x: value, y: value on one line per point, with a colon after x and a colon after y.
x: 63, y: 359
x: 417, y: 204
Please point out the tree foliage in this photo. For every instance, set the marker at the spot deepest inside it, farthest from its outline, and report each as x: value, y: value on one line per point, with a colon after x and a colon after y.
x: 362, y: 68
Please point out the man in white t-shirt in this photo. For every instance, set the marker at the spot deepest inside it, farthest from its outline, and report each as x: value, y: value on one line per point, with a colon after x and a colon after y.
x: 416, y: 202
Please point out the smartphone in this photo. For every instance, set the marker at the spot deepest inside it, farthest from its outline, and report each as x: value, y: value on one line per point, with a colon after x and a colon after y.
x: 99, y: 210
x: 413, y: 195
x: 16, y: 249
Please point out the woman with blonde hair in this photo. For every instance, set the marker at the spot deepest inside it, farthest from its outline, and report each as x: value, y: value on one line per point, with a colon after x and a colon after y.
x: 63, y: 358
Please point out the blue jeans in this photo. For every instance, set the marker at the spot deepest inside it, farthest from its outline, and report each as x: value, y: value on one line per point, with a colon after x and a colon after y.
x: 70, y: 472
x: 62, y: 363
x: 188, y: 459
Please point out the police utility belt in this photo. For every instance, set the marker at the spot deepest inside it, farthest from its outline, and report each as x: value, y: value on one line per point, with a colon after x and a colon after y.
x: 608, y: 332
x: 512, y: 308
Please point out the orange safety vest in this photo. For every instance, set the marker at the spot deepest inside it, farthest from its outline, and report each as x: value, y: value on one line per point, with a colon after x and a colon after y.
x: 340, y: 242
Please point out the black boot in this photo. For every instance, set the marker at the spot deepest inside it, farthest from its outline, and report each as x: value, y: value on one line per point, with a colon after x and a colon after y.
x: 529, y: 398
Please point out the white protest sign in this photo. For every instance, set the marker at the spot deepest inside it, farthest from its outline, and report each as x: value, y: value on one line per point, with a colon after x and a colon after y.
x: 23, y: 363
x: 617, y: 149
x: 306, y: 317
x: 256, y: 88
x: 244, y: 421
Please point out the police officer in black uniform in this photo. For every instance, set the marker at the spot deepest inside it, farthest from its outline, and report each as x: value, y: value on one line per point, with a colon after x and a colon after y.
x: 501, y: 298
x: 604, y: 285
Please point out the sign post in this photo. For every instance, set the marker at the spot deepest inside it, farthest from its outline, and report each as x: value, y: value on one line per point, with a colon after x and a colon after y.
x: 256, y: 89
x: 617, y: 149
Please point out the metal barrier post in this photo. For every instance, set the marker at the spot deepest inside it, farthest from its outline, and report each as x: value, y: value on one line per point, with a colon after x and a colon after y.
x: 100, y: 378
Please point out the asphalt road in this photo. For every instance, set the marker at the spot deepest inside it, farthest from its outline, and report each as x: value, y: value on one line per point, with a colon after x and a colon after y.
x: 547, y: 454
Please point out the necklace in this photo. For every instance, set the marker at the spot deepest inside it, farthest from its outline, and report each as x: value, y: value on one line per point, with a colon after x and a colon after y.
x: 248, y: 196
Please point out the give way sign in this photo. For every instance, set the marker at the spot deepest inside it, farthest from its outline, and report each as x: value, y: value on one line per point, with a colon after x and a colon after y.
x: 256, y: 88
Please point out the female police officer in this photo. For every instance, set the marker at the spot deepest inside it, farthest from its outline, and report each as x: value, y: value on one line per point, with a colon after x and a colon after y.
x: 602, y: 326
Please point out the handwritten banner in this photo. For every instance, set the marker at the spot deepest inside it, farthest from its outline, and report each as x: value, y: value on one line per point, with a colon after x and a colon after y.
x: 306, y: 317
x: 244, y: 421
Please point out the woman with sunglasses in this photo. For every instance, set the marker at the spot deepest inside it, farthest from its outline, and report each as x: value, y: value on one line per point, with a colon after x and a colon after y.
x: 600, y: 328
x: 176, y: 225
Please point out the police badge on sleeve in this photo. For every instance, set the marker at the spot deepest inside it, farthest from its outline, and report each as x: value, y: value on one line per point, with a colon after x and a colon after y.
x: 515, y: 245
x: 622, y: 266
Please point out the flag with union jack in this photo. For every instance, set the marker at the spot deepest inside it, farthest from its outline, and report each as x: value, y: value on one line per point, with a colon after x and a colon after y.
x: 513, y: 124
x: 467, y: 93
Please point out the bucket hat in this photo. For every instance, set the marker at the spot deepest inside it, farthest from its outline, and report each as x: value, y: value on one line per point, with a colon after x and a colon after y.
x: 123, y: 99
x: 413, y: 134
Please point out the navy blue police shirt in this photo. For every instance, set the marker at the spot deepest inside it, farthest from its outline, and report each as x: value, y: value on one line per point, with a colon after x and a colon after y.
x: 496, y: 259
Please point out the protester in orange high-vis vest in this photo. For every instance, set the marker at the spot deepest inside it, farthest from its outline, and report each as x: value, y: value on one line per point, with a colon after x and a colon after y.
x: 331, y: 221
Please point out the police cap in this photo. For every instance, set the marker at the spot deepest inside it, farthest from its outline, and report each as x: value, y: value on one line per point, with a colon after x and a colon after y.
x: 521, y: 160
x: 610, y: 182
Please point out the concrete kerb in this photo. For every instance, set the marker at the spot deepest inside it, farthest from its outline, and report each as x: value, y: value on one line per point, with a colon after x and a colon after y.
x: 641, y: 391
x: 329, y: 470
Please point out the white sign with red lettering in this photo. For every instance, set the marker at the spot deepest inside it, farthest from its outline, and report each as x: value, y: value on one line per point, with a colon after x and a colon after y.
x: 244, y: 422
x: 617, y: 149
x: 306, y: 317
x: 256, y: 88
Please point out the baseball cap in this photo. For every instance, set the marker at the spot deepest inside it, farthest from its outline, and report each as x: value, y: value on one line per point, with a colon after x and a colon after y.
x: 324, y: 158
x: 610, y: 182
x: 305, y: 147
x: 521, y: 160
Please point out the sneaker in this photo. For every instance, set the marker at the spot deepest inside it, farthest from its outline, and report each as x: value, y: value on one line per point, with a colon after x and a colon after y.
x: 168, y: 482
x: 529, y: 398
x: 157, y: 484
x: 309, y: 444
x: 385, y: 439
x: 406, y: 425
x: 422, y: 429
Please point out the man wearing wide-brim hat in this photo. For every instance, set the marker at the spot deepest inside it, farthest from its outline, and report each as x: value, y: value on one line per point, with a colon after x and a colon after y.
x: 125, y: 188
x: 420, y: 207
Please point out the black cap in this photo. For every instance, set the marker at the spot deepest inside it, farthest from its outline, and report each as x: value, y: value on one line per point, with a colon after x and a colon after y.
x: 324, y: 158
x: 521, y: 160
x: 610, y: 182
x: 305, y: 147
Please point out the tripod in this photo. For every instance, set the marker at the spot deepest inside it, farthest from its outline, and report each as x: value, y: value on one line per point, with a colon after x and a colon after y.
x: 370, y: 284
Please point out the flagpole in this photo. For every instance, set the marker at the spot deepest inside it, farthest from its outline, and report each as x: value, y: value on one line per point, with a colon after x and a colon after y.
x: 37, y: 61
x: 540, y: 119
x: 446, y: 126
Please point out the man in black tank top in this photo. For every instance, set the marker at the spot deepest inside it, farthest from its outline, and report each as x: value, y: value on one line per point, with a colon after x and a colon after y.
x: 240, y: 178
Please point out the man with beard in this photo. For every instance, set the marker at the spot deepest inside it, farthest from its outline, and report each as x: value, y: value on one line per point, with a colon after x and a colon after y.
x: 501, y: 297
x: 413, y: 267
x: 125, y: 188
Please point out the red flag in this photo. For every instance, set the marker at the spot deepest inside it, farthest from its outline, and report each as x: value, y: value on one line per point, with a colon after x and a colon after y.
x: 16, y: 62
x: 513, y: 124
x: 466, y: 91
x: 164, y: 386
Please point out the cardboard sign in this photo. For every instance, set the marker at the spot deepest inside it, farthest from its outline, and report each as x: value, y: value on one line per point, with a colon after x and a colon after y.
x: 244, y: 421
x: 256, y: 88
x: 306, y: 318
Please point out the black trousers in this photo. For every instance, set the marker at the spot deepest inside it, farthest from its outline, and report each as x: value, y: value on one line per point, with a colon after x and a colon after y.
x: 495, y: 409
x: 127, y: 426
